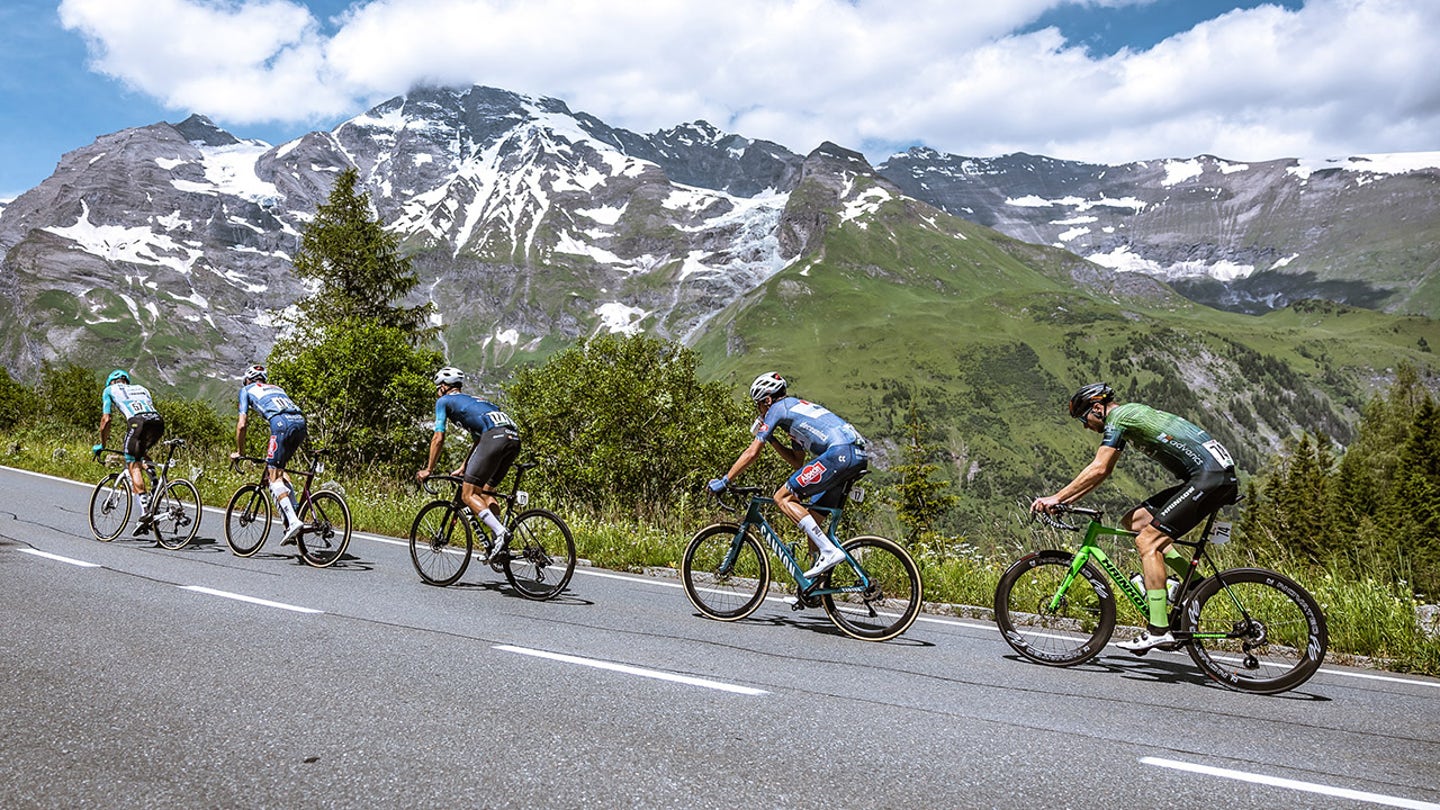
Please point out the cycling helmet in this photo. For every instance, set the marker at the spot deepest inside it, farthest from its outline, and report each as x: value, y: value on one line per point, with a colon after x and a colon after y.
x: 254, y: 374
x: 118, y: 374
x: 449, y: 375
x: 1088, y: 396
x: 769, y: 384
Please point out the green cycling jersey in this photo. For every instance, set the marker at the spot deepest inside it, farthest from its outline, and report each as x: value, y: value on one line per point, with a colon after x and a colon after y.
x: 1183, y: 447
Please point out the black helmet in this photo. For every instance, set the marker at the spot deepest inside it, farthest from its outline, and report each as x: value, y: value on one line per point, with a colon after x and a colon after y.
x: 1089, y: 395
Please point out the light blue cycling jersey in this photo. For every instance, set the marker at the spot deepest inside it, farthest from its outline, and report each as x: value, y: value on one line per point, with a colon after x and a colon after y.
x: 470, y: 412
x: 814, y: 427
x: 129, y: 399
x: 270, y: 400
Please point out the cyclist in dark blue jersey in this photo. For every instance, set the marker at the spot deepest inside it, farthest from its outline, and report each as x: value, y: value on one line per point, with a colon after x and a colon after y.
x: 496, y: 444
x: 143, y: 427
x: 1208, y: 482
x: 287, y: 433
x: 838, y: 452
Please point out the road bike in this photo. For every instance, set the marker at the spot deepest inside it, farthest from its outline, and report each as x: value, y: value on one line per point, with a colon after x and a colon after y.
x: 1249, y: 629
x: 539, y: 557
x: 174, y: 511
x: 324, y: 516
x: 874, y: 595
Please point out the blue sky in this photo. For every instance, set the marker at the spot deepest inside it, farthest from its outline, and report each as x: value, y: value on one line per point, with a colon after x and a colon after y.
x: 1100, y: 80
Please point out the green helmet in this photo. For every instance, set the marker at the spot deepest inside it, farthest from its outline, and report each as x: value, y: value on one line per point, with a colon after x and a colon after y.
x: 117, y: 374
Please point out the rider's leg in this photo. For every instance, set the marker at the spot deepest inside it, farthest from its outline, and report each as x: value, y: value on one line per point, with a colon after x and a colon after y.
x: 481, y: 504
x: 830, y: 555
x: 284, y: 496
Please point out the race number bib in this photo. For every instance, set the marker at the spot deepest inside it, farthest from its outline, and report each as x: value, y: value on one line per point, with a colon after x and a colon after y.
x: 1220, y: 453
x: 1220, y: 534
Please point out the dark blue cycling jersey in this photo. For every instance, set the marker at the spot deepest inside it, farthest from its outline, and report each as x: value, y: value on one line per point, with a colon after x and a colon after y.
x: 812, y: 426
x: 470, y: 412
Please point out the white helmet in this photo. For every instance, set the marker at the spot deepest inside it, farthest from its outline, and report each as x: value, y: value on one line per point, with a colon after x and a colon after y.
x: 449, y: 375
x: 253, y: 374
x: 769, y: 384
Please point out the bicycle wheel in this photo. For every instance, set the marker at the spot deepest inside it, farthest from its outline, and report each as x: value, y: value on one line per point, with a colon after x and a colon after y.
x: 1070, y: 632
x: 541, y: 555
x: 326, y: 533
x: 247, y: 520
x: 110, y: 506
x: 177, y: 514
x: 440, y: 543
x: 886, y: 601
x: 725, y: 574
x: 1254, y: 630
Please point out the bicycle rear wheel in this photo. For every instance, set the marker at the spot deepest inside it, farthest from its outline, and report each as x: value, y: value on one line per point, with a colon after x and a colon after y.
x: 110, y: 506
x: 440, y: 543
x: 541, y: 555
x: 892, y: 593
x: 177, y: 514
x: 1045, y: 625
x: 725, y: 574
x: 1254, y: 630
x: 247, y: 520
x: 326, y: 532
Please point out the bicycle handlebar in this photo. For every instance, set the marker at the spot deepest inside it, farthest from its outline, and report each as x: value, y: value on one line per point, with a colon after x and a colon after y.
x: 742, y: 492
x: 1049, y: 519
x: 235, y: 462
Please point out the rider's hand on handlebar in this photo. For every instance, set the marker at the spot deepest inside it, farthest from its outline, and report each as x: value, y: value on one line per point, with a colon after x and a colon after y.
x: 95, y: 451
x: 1048, y: 504
x: 718, y: 485
x: 422, y: 475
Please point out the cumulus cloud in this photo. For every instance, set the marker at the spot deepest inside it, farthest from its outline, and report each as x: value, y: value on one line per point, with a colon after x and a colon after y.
x: 1335, y: 77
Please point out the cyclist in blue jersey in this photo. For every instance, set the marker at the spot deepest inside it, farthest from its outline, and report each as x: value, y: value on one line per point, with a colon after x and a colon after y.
x: 1208, y: 482
x: 143, y: 427
x: 287, y: 433
x: 496, y: 443
x: 838, y: 451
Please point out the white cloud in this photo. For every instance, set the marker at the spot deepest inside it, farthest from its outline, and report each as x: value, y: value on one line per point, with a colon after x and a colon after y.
x: 1333, y: 78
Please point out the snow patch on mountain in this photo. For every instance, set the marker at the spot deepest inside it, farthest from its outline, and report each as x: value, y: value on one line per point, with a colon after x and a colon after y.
x: 135, y: 245
x: 1122, y: 259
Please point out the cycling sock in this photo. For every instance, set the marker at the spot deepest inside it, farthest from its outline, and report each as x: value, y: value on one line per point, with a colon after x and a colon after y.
x: 493, y: 522
x: 142, y: 500
x: 816, y: 534
x: 1158, y: 612
x: 283, y: 498
x: 1176, y: 562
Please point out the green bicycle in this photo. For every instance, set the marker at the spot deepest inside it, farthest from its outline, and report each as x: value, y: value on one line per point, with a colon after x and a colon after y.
x: 1249, y: 629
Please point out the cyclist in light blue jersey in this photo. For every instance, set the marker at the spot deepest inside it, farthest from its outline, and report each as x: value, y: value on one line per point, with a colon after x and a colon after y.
x: 496, y: 444
x: 838, y: 452
x: 144, y: 427
x: 287, y: 432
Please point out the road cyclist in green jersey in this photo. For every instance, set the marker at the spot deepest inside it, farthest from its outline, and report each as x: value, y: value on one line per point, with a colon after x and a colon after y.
x: 1208, y: 482
x: 143, y: 427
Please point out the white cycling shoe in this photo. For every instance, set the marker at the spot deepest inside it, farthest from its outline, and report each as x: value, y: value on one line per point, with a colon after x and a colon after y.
x: 1147, y: 641
x: 292, y: 532
x: 828, y: 559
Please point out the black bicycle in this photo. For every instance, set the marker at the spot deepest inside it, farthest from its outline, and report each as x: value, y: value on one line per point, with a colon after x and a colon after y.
x: 539, y: 557
x: 324, y: 515
x: 175, y: 508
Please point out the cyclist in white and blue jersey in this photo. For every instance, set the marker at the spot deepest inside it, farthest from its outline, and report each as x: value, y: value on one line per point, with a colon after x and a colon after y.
x: 287, y: 433
x: 496, y: 444
x: 144, y: 427
x: 839, y: 457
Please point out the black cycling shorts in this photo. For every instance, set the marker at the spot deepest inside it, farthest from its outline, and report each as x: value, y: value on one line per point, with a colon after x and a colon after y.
x: 1182, y: 507
x: 141, y: 433
x: 492, y: 456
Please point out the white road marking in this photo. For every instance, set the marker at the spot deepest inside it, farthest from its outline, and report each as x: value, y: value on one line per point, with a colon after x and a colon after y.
x: 1291, y: 784
x: 47, y: 555
x: 239, y: 597
x: 629, y: 670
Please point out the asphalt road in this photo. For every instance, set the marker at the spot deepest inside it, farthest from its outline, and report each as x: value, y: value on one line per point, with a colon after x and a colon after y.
x: 132, y: 676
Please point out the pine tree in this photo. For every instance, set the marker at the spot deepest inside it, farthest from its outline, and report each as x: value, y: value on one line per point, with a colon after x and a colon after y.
x: 1415, y: 506
x: 920, y: 501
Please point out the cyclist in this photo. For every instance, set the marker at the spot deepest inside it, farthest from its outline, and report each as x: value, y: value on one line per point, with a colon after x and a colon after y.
x: 496, y: 443
x: 839, y: 452
x: 144, y: 427
x: 1203, y: 465
x: 287, y: 432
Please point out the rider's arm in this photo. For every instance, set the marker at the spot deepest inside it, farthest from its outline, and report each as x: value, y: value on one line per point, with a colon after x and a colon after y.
x: 104, y: 428
x: 240, y: 434
x: 437, y: 442
x: 1088, y: 479
x: 747, y: 457
x: 794, y: 456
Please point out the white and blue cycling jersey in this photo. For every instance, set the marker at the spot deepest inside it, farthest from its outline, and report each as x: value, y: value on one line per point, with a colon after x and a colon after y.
x: 130, y: 400
x: 470, y: 412
x: 812, y: 426
x: 270, y: 400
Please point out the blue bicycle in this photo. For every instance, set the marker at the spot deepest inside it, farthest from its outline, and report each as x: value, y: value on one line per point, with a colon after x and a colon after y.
x: 874, y: 595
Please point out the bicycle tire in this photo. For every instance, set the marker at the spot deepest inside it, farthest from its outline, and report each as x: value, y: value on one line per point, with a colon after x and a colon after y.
x: 110, y: 505
x: 893, y: 598
x: 247, y: 520
x: 533, y: 563
x: 1286, y: 634
x: 177, y: 514
x: 325, y: 534
x: 735, y: 592
x: 1074, y: 632
x: 434, y: 549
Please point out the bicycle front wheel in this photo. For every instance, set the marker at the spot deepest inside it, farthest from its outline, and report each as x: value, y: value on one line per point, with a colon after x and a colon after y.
x: 1254, y: 630
x: 177, y: 514
x: 247, y: 520
x: 1049, y: 625
x: 326, y: 532
x: 440, y: 543
x: 882, y: 603
x: 110, y: 506
x: 541, y: 555
x: 724, y: 572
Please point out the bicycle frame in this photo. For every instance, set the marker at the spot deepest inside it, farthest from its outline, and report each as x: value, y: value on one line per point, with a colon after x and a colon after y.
x: 808, y: 587
x: 301, y: 498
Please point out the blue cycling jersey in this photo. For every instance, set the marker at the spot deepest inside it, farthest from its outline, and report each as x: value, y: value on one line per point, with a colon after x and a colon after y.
x: 813, y: 427
x: 129, y: 399
x: 270, y: 400
x: 470, y: 412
